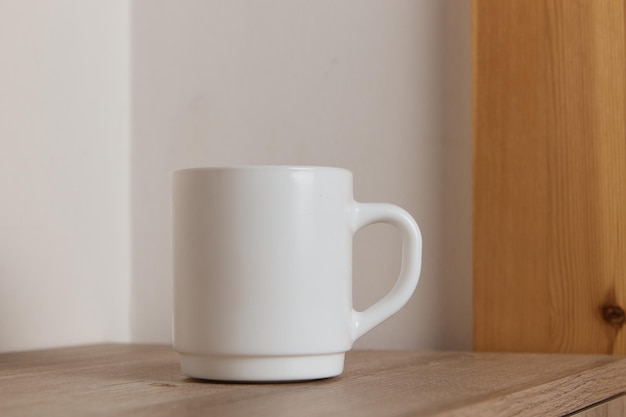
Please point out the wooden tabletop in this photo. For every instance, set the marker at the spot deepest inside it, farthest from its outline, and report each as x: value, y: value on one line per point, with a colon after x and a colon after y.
x: 144, y: 380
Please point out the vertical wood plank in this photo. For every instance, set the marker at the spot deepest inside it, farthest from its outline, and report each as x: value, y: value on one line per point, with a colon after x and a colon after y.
x: 549, y: 80
x: 615, y: 407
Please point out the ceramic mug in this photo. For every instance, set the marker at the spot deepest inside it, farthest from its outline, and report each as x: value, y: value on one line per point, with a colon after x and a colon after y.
x: 263, y: 271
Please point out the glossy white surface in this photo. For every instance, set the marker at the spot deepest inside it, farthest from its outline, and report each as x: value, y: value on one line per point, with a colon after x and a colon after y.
x: 263, y: 267
x: 260, y: 368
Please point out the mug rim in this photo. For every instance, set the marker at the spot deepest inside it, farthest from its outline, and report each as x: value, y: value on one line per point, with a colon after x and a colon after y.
x: 261, y: 167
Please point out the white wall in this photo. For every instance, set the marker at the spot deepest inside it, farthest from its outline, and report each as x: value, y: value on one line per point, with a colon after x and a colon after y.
x: 64, y: 183
x: 378, y: 86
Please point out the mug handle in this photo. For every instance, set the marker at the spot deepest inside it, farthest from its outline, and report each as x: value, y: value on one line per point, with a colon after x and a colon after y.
x: 365, y: 214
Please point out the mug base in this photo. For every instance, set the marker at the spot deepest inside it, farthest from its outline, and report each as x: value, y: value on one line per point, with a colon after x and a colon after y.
x: 262, y: 368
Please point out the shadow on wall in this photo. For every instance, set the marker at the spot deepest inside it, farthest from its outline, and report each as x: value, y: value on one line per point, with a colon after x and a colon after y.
x: 381, y: 88
x: 455, y: 290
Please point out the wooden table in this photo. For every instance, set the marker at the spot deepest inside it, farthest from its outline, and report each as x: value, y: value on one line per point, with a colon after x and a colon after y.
x: 144, y: 380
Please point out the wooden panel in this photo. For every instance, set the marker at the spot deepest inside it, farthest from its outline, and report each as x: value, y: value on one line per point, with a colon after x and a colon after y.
x: 122, y: 380
x: 614, y: 407
x: 549, y: 79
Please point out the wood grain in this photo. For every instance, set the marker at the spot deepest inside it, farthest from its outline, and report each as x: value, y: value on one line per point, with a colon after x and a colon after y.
x: 123, y: 380
x: 549, y: 103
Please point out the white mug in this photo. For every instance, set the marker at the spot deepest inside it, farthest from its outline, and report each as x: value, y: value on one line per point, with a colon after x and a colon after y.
x: 263, y: 271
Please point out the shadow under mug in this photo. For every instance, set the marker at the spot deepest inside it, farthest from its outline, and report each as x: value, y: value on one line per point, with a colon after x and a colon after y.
x: 263, y: 271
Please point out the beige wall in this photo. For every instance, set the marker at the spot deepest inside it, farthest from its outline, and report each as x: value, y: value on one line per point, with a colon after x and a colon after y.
x: 379, y: 87
x: 64, y: 183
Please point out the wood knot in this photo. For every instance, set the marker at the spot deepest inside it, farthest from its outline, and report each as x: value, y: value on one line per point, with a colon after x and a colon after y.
x: 613, y: 314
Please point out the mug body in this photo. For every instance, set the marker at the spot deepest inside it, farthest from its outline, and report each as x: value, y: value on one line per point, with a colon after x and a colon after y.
x: 262, y: 271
